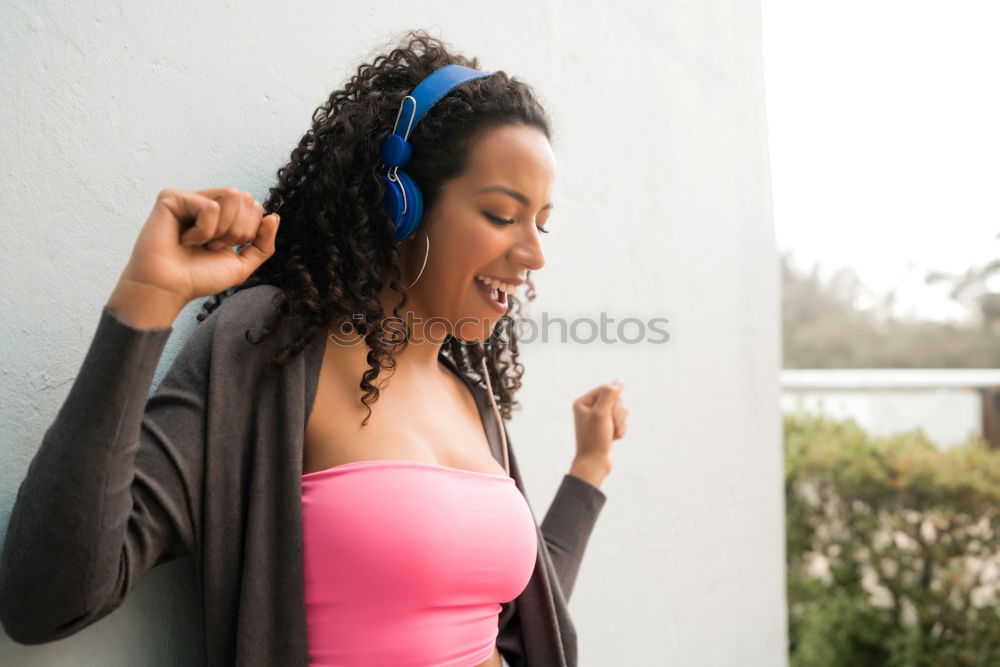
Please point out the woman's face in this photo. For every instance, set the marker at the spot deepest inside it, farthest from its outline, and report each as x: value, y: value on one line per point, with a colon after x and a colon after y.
x: 510, y: 177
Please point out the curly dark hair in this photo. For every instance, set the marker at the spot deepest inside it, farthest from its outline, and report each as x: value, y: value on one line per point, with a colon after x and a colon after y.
x: 336, y: 242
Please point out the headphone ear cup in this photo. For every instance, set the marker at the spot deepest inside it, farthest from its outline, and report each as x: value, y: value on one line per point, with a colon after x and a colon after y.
x: 406, y: 224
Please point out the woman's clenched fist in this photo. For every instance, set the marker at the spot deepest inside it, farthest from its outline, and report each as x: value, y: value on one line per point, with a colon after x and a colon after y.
x: 600, y: 417
x: 184, y: 249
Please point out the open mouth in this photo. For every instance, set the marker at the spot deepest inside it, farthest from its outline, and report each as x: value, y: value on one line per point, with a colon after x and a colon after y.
x: 493, y: 294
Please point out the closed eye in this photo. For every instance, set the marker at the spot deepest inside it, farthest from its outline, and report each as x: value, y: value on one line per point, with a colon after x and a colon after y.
x: 505, y: 221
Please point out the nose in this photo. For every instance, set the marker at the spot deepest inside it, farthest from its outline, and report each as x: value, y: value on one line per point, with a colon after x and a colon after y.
x: 528, y: 251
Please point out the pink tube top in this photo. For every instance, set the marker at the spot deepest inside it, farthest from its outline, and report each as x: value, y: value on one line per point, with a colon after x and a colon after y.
x: 407, y: 562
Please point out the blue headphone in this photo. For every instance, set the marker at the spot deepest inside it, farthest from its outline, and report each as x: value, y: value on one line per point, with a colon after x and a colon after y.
x: 403, y: 199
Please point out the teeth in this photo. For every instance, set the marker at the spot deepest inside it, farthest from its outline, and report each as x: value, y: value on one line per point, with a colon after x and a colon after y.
x: 509, y: 289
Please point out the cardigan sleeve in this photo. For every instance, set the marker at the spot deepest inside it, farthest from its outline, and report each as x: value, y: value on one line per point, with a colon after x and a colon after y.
x: 566, y: 529
x: 568, y: 524
x: 115, y: 487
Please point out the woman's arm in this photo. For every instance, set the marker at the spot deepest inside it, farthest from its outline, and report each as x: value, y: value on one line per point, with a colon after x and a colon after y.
x: 115, y: 487
x: 568, y: 524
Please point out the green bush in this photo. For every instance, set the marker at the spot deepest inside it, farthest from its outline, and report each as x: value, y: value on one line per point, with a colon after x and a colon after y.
x: 892, y: 548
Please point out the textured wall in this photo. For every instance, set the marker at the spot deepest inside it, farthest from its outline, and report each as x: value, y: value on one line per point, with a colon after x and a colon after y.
x: 663, y: 210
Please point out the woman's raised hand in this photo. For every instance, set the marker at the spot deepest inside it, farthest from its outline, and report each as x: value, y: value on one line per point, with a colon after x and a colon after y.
x: 183, y: 251
x: 600, y: 417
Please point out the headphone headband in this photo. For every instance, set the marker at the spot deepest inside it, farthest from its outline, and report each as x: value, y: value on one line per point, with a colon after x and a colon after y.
x: 435, y: 85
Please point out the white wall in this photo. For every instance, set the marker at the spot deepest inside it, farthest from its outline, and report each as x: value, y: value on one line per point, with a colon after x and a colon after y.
x: 663, y: 210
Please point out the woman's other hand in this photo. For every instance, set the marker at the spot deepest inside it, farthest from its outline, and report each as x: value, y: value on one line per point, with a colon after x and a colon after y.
x: 599, y: 417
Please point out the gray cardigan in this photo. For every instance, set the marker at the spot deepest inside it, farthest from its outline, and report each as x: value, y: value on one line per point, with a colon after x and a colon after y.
x: 211, y: 465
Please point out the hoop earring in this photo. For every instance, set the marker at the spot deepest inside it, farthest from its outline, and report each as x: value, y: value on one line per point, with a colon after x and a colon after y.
x: 426, y: 254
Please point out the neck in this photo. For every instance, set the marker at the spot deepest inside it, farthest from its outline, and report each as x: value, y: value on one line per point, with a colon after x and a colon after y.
x: 419, y: 358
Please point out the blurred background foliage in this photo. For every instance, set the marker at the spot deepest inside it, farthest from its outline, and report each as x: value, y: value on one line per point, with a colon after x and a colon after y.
x: 892, y: 547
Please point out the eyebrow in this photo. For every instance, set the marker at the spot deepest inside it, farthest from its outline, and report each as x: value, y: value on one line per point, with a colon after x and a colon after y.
x: 513, y: 193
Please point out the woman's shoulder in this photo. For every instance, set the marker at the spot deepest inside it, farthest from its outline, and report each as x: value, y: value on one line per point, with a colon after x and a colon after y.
x: 247, y: 316
x: 219, y: 339
x: 248, y: 305
x: 252, y: 308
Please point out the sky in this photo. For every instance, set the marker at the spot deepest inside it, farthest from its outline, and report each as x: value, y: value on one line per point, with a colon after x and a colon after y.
x: 884, y: 139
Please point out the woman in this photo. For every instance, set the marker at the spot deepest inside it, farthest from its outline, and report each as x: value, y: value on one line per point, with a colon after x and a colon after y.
x: 328, y: 528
